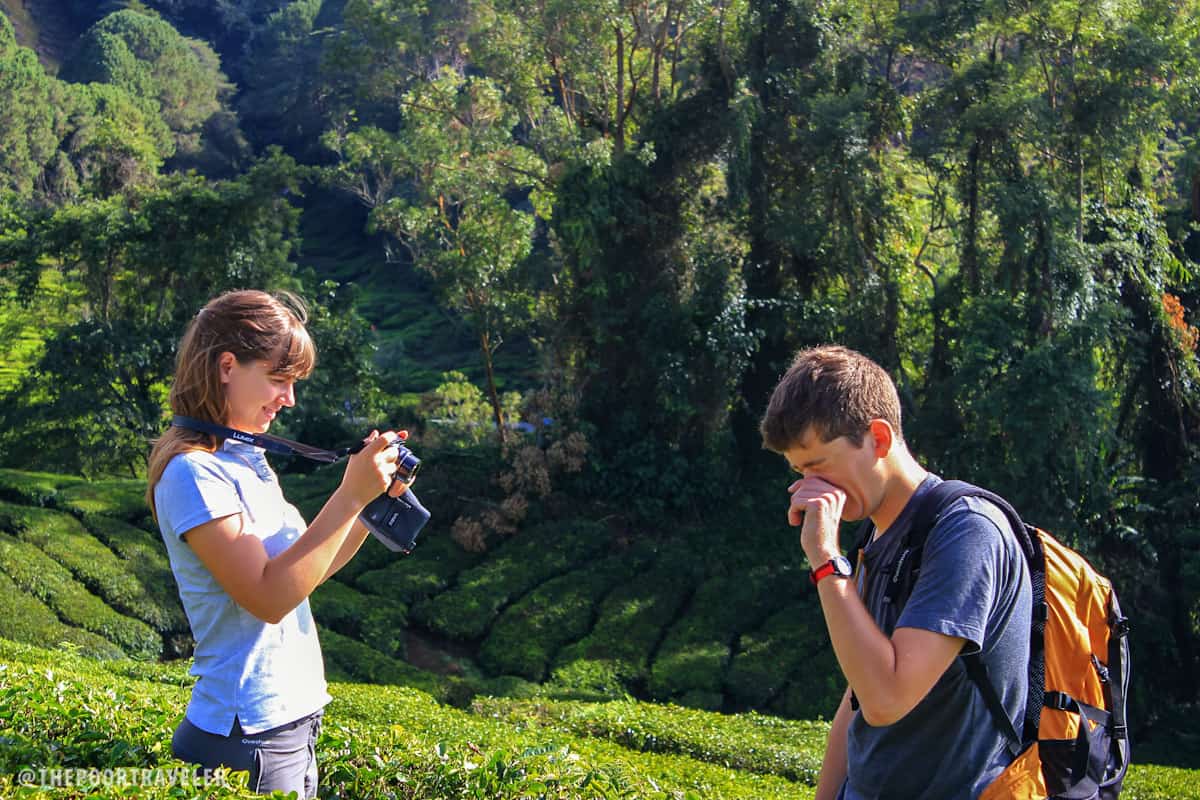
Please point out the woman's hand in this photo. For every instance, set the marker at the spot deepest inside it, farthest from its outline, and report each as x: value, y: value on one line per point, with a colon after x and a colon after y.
x: 369, y: 472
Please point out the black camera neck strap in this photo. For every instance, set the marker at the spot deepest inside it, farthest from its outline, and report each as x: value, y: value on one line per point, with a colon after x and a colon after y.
x: 274, y: 444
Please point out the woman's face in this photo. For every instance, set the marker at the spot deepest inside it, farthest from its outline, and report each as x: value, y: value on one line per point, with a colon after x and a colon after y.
x: 253, y: 393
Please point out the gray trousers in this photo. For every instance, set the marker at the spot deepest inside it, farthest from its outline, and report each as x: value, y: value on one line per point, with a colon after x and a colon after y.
x: 283, y: 758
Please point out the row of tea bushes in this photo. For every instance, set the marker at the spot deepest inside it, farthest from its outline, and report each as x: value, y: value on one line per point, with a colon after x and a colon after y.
x: 24, y: 618
x: 467, y: 610
x: 64, y: 539
x: 529, y: 633
x: 614, y: 657
x: 142, y: 553
x: 753, y: 742
x: 39, y: 576
x: 432, y: 568
x: 377, y: 622
x: 787, y: 665
x: 691, y: 662
x: 377, y: 742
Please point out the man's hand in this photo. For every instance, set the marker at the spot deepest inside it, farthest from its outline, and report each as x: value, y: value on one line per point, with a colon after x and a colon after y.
x: 817, y: 507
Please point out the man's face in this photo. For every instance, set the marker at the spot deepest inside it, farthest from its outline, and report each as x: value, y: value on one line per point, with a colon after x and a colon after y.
x: 851, y: 466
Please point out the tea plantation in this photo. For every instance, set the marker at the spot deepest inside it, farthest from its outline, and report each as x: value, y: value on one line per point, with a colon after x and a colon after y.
x: 566, y: 663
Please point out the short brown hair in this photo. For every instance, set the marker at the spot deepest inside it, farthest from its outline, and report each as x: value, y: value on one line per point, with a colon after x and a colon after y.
x: 833, y: 390
x: 252, y: 325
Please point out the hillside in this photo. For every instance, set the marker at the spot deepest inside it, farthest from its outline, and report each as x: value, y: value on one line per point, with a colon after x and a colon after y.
x: 562, y: 610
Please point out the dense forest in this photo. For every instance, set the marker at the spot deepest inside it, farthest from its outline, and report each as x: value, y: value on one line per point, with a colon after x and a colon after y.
x: 574, y: 244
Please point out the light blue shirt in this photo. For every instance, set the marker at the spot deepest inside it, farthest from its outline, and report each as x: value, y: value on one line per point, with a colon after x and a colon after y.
x: 264, y: 675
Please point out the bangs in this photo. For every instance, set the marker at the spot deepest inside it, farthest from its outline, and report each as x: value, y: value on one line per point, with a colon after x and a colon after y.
x: 297, y: 356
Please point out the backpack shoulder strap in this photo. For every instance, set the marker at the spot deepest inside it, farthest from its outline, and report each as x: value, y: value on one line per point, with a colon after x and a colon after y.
x: 932, y: 505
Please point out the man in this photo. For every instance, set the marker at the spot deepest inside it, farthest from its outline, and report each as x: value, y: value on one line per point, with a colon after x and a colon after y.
x: 921, y: 728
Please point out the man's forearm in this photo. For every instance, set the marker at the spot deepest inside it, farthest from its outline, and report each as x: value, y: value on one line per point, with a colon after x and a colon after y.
x: 834, y: 767
x: 866, y: 656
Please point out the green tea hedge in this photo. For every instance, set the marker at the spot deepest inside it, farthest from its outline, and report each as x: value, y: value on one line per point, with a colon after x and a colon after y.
x: 615, y: 656
x: 430, y: 569
x: 375, y: 621
x: 40, y: 576
x: 532, y: 630
x: 690, y: 665
x: 64, y: 539
x: 25, y: 618
x: 123, y: 498
x: 526, y: 561
x: 144, y: 556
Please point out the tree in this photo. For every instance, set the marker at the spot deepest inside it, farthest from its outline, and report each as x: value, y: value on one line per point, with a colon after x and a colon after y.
x: 442, y: 189
x: 31, y: 124
x: 178, y: 78
x: 144, y: 262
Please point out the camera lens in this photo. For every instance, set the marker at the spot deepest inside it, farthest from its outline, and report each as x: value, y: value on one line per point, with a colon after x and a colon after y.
x: 407, y: 465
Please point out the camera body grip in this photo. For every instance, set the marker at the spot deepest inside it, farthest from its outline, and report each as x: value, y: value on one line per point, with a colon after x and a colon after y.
x: 395, y: 521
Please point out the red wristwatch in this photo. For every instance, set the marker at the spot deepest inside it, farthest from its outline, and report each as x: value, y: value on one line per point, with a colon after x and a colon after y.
x: 838, y: 565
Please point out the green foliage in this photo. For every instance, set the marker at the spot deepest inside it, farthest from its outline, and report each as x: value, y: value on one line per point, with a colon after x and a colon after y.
x: 696, y: 652
x: 525, y: 638
x: 33, y: 488
x: 122, y: 498
x: 377, y: 622
x: 144, y: 556
x: 467, y: 610
x: 25, y: 618
x: 787, y: 665
x: 429, y: 570
x: 350, y: 659
x: 749, y: 742
x: 615, y: 655
x: 64, y: 539
x: 179, y: 78
x: 31, y: 124
x: 378, y: 739
x: 40, y: 576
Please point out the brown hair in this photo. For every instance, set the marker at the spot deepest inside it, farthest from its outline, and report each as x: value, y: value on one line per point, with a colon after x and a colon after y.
x: 833, y: 390
x: 254, y: 326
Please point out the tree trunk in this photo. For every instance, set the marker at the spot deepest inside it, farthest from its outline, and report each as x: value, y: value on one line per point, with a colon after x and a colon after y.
x: 619, y: 144
x: 970, y: 254
x: 485, y: 346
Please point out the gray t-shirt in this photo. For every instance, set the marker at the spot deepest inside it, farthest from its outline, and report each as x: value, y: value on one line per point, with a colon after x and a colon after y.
x: 973, y: 584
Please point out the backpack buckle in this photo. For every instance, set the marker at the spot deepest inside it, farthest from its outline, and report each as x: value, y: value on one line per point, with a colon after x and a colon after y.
x: 1118, y: 731
x: 1121, y: 627
x: 1058, y: 701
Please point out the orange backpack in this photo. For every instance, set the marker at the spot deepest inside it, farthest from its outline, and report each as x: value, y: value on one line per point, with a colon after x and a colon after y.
x: 1075, y: 742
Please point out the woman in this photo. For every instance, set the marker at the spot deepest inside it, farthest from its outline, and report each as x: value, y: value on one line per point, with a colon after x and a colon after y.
x: 243, y: 558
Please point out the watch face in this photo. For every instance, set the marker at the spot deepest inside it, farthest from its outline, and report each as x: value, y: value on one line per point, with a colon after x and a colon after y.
x: 842, y: 566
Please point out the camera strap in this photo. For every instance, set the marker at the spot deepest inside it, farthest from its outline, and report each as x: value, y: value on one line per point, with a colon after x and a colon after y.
x: 275, y: 444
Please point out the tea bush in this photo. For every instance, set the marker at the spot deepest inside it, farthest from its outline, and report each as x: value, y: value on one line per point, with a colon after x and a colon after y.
x: 528, y: 634
x: 33, y: 488
x: 615, y: 656
x: 63, y: 710
x: 350, y: 660
x: 377, y: 622
x: 123, y: 498
x: 790, y: 748
x: 25, y: 618
x: 526, y: 561
x: 39, y: 575
x: 144, y: 555
x: 788, y: 665
x: 690, y: 664
x: 431, y: 568
x: 65, y: 540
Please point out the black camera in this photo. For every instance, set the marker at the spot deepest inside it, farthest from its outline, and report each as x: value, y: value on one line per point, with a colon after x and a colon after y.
x: 396, y: 521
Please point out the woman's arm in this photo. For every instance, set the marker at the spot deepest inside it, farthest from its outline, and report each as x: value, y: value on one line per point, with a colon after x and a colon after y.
x: 269, y: 588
